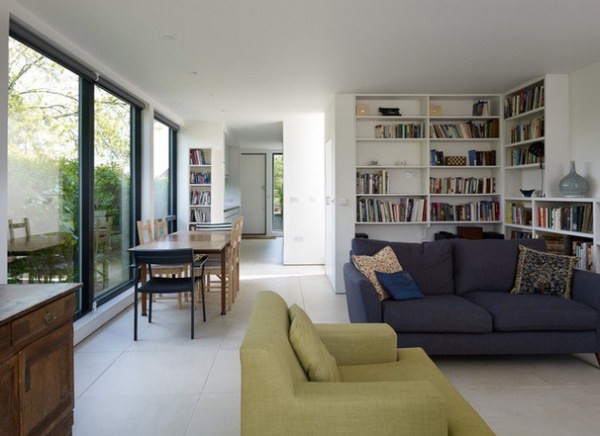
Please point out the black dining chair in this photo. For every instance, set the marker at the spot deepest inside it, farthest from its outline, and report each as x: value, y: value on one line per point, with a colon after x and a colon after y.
x: 168, y: 285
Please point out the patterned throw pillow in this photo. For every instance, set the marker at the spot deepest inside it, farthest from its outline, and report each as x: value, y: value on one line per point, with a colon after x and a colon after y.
x: 384, y: 260
x: 543, y: 273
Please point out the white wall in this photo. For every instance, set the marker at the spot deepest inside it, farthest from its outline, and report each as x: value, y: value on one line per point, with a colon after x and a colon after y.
x: 200, y: 134
x: 584, y: 110
x: 304, y: 189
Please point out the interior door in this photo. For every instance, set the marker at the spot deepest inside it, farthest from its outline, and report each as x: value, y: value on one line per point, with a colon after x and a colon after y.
x: 254, y: 193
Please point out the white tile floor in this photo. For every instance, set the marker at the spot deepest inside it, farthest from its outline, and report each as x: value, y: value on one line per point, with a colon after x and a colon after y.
x: 167, y: 384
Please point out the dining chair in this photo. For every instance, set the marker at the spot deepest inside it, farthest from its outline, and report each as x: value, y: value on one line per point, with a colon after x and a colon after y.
x: 145, y: 235
x: 102, y: 246
x: 213, y: 276
x: 167, y: 284
x: 12, y: 226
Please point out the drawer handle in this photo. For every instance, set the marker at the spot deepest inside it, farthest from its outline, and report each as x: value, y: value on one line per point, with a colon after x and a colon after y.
x: 49, y: 317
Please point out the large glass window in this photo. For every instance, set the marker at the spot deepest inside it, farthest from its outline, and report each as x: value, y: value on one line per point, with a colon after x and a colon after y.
x: 161, y: 169
x: 112, y: 187
x: 43, y: 169
x: 73, y: 149
x: 277, y: 192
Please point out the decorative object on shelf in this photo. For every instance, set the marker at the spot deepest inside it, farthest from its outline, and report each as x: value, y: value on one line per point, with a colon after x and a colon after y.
x: 373, y: 163
x: 362, y: 110
x: 481, y: 108
x: 390, y: 111
x: 527, y: 192
x: 537, y: 149
x: 573, y: 185
x: 400, y: 162
x: 456, y: 161
x: 435, y: 110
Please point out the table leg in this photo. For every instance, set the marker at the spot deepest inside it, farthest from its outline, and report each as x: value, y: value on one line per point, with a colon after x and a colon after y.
x: 223, y: 282
x: 143, y: 277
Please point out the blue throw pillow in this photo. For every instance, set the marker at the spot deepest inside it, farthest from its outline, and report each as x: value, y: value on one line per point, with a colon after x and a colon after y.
x: 399, y: 285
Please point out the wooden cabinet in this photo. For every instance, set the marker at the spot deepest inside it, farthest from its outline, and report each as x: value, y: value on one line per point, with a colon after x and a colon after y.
x: 36, y: 358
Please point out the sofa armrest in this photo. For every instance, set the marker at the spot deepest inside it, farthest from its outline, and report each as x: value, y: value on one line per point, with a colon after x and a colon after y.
x: 367, y: 408
x: 362, y: 299
x: 586, y: 288
x: 359, y: 344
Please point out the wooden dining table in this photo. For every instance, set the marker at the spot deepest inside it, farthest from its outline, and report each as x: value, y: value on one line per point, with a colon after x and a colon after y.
x: 202, y: 242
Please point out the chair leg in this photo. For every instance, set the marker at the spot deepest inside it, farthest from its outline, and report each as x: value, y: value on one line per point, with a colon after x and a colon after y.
x: 203, y: 305
x: 192, y: 308
x: 135, y: 315
x: 150, y: 308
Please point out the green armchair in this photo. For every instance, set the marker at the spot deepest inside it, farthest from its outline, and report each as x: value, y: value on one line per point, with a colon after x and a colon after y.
x: 383, y: 390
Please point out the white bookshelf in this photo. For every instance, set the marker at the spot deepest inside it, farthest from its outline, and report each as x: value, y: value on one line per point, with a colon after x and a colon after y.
x: 200, y: 185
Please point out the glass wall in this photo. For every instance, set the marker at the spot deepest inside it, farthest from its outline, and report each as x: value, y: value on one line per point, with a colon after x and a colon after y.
x: 112, y: 188
x: 43, y: 169
x: 277, y: 192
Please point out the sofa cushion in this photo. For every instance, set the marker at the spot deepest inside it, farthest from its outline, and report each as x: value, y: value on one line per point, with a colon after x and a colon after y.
x: 420, y: 260
x: 384, y: 261
x: 534, y: 312
x: 399, y: 285
x: 488, y: 264
x: 544, y: 273
x: 436, y: 314
x: 317, y: 362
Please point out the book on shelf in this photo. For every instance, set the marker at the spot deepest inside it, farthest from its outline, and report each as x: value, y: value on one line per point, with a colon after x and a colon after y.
x: 437, y: 157
x: 518, y: 213
x: 199, y: 216
x: 520, y: 234
x: 480, y: 211
x: 522, y: 156
x: 481, y: 108
x: 197, y: 157
x: 555, y: 244
x: 372, y: 210
x: 200, y: 198
x: 582, y: 250
x: 372, y: 183
x: 401, y: 130
x: 524, y: 101
x: 481, y: 158
x: 467, y: 130
x: 462, y: 185
x: 575, y: 218
x: 199, y: 178
x: 525, y: 132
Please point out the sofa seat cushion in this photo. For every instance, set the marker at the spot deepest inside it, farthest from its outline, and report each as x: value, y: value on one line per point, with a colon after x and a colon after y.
x: 436, y: 314
x: 535, y: 312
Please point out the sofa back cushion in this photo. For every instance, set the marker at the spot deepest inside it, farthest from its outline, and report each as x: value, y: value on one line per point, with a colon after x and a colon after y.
x: 488, y: 264
x: 429, y: 263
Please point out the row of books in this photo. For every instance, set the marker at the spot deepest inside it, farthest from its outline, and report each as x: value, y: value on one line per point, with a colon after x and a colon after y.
x: 522, y: 157
x: 199, y: 178
x: 402, y: 130
x: 467, y: 130
x: 200, y: 198
x: 577, y: 218
x: 462, y: 185
x: 473, y: 158
x: 518, y: 213
x: 199, y: 216
x: 524, y: 132
x: 371, y: 210
x: 581, y: 249
x: 372, y: 183
x: 524, y: 102
x: 481, y: 108
x: 197, y: 157
x: 475, y: 211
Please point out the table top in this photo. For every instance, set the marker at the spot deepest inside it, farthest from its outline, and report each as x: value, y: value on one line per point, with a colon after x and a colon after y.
x: 199, y: 241
x: 18, y: 299
x: 25, y: 245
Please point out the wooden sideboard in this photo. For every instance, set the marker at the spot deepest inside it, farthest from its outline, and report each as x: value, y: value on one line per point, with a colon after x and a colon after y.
x: 36, y: 358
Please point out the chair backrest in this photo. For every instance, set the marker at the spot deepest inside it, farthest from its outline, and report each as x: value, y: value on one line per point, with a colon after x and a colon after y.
x: 160, y: 228
x: 145, y: 233
x: 213, y: 226
x: 102, y: 239
x: 24, y: 225
x: 175, y: 256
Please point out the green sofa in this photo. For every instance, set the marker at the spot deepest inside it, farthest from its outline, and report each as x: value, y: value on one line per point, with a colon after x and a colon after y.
x: 383, y: 390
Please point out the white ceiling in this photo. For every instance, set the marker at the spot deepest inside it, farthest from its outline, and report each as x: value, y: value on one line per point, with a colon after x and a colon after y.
x: 250, y: 62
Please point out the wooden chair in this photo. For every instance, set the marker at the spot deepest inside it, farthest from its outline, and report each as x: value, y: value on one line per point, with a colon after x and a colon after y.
x: 12, y: 226
x: 161, y: 284
x: 160, y: 228
x: 145, y: 234
x: 213, y: 275
x: 102, y: 246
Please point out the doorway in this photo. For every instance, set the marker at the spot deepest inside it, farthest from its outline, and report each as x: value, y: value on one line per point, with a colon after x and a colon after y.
x: 254, y: 193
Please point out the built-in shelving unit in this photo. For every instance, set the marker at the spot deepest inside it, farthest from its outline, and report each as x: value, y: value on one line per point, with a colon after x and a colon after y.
x: 435, y: 165
x: 200, y: 183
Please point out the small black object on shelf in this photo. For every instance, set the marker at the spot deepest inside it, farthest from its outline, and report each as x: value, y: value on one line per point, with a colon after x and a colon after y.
x: 390, y: 111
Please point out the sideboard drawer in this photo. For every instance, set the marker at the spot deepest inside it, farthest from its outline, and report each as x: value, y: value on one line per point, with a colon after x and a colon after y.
x: 43, y: 320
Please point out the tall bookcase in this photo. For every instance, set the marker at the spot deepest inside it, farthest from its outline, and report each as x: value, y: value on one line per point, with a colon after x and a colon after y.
x: 200, y: 185
x: 429, y: 168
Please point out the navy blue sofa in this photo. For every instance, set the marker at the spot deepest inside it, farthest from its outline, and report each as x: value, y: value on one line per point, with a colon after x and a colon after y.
x: 468, y: 307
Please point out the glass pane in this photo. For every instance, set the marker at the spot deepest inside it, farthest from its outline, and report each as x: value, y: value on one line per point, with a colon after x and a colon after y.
x: 161, y: 170
x: 43, y: 169
x: 277, y: 192
x: 112, y: 195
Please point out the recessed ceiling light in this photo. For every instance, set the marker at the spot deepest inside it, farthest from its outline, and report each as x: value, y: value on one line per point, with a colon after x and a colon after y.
x: 168, y: 37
